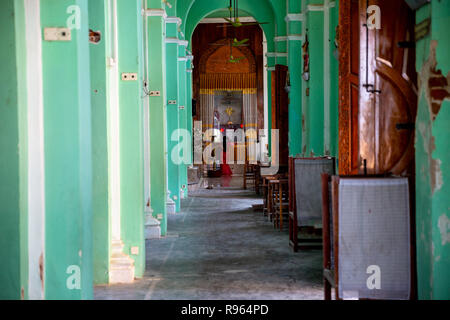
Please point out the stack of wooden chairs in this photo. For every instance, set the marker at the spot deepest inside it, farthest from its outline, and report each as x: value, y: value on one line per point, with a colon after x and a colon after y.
x: 275, y: 191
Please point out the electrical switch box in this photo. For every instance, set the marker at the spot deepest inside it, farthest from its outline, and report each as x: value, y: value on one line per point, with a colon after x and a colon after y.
x: 57, y: 34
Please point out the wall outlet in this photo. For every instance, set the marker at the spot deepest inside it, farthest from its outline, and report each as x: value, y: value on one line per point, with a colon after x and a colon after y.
x: 135, y: 251
x: 129, y: 76
x: 172, y: 102
x: 155, y: 93
x: 159, y: 216
x: 181, y: 107
x: 57, y: 34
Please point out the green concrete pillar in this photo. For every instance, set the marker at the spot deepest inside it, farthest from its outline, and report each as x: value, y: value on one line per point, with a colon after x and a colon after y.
x: 157, y: 105
x: 173, y: 172
x: 320, y: 92
x: 189, y: 93
x: 294, y: 40
x: 99, y: 53
x: 130, y: 36
x: 182, y: 74
x: 314, y: 88
x: 68, y: 157
x: 269, y: 68
x: 14, y: 153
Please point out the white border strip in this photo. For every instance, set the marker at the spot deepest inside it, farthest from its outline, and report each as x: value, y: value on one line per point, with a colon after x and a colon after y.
x: 294, y: 17
x: 156, y: 13
x: 291, y: 37
x: 113, y: 116
x: 36, y: 165
x: 183, y: 43
x: 176, y: 20
x: 280, y: 39
x: 276, y: 55
x: 174, y: 40
x: 222, y: 20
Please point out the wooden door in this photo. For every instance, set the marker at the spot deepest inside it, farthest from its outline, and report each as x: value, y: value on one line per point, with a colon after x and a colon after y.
x: 349, y: 64
x: 378, y: 130
x: 387, y: 117
x: 280, y: 111
x: 378, y: 100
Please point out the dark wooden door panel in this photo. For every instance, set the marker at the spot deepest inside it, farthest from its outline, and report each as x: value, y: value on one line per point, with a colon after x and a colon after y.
x: 280, y: 111
x: 349, y: 68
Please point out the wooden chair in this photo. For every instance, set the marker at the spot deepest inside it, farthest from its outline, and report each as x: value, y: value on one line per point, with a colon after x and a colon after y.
x: 280, y: 201
x: 304, y: 232
x: 250, y: 174
x: 265, y: 189
x: 333, y: 258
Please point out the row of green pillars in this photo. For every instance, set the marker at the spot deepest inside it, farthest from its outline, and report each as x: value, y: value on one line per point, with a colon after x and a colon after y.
x: 58, y: 128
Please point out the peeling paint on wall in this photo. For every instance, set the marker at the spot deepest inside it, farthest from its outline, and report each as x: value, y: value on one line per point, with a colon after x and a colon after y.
x: 436, y: 89
x: 435, y: 85
x: 41, y: 269
x: 444, y: 227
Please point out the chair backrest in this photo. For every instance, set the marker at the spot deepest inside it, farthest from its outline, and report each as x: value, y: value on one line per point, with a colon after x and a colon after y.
x: 373, y: 238
x: 308, y: 187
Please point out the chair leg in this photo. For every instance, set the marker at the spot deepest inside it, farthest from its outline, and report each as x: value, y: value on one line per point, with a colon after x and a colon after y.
x: 281, y: 206
x: 295, y: 236
x: 326, y: 289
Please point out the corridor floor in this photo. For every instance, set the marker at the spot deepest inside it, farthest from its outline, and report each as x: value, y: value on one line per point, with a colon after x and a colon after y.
x: 217, y: 248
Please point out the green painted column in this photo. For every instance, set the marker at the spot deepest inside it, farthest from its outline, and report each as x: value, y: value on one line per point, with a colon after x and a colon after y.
x: 130, y: 36
x: 68, y: 157
x: 334, y: 81
x: 270, y: 67
x: 189, y: 105
x: 13, y: 150
x: 173, y: 172
x: 294, y: 38
x: 157, y: 105
x: 101, y: 221
x: 183, y: 119
x: 314, y: 88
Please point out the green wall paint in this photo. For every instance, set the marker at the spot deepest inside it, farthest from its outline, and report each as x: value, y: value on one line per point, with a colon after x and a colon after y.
x: 98, y: 18
x: 432, y: 163
x: 68, y: 161
x: 130, y: 35
x: 13, y: 150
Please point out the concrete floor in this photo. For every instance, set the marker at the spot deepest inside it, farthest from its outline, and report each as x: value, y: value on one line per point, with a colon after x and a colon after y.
x: 217, y: 248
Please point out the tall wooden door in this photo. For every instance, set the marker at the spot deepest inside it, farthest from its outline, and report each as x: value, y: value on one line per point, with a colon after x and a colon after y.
x: 380, y: 133
x: 378, y: 99
x: 280, y: 111
x: 349, y: 58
